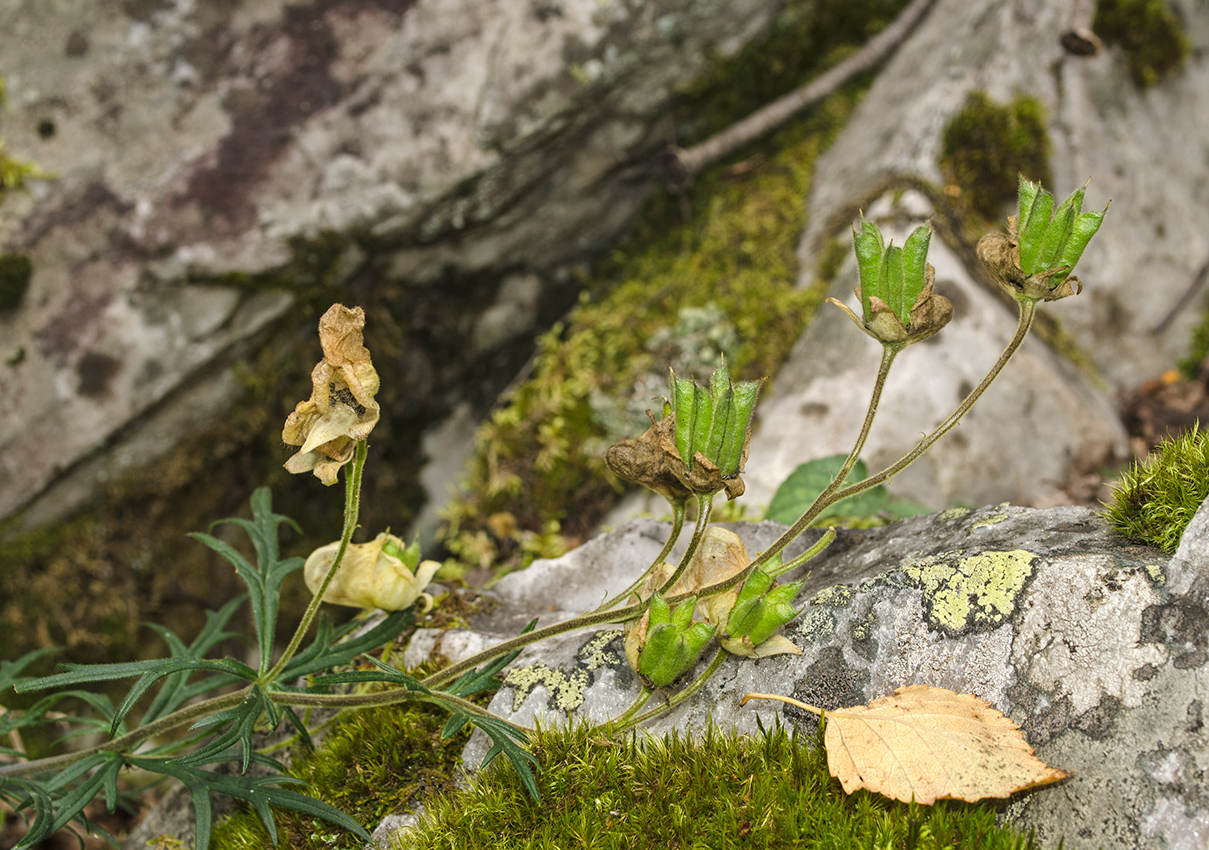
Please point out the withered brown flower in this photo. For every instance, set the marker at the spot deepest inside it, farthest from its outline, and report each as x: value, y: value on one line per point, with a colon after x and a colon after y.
x: 341, y: 410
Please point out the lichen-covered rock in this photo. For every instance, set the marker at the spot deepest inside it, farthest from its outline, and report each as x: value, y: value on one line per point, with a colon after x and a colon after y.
x: 212, y: 158
x: 1097, y: 648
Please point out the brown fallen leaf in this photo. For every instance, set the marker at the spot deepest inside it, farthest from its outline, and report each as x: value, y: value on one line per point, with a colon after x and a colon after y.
x: 927, y: 744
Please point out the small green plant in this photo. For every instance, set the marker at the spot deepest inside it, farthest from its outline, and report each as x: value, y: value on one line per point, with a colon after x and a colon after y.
x: 197, y: 711
x: 1157, y: 497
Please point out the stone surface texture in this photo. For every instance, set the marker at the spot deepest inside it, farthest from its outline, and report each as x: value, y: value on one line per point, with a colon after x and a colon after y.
x: 1137, y: 269
x: 1097, y: 648
x: 202, y: 146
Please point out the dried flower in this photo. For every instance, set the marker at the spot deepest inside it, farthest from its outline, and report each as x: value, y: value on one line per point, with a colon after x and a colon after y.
x: 1033, y: 261
x: 699, y: 446
x: 341, y: 410
x: 372, y: 575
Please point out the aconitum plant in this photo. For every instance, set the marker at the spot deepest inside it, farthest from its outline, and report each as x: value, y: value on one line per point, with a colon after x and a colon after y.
x: 189, y: 711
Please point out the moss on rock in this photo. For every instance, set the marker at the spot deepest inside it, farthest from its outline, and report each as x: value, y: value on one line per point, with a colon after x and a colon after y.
x: 1148, y: 33
x: 986, y: 145
x: 15, y: 272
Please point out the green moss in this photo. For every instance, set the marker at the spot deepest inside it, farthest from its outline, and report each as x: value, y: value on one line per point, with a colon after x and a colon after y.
x: 1190, y: 366
x: 1157, y: 497
x: 372, y: 762
x: 15, y: 272
x: 726, y: 250
x: 1149, y: 34
x: 770, y: 791
x: 987, y: 145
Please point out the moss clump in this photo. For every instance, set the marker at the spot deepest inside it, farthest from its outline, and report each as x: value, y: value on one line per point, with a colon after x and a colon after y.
x: 718, y: 791
x: 15, y: 272
x: 986, y: 146
x: 1156, y: 498
x: 1148, y: 33
x: 372, y: 762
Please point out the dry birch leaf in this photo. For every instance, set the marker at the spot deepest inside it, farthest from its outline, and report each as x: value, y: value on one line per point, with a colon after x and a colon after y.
x: 927, y: 744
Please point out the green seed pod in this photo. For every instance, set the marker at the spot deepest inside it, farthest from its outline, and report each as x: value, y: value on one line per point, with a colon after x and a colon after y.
x: 870, y: 250
x: 673, y: 642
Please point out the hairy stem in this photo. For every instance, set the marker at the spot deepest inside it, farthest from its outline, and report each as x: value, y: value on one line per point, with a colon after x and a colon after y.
x: 131, y: 739
x: 678, y: 507
x: 829, y: 496
x: 1027, y: 311
x: 352, y: 507
x: 680, y: 696
x: 705, y: 507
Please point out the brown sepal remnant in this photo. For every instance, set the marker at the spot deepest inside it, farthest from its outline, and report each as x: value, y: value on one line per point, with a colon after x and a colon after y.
x: 1000, y: 255
x: 653, y: 461
x: 929, y: 314
x: 341, y: 410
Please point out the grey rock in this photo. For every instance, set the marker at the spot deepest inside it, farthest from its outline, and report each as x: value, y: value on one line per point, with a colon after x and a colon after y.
x: 1101, y: 127
x: 199, y: 147
x: 1038, y: 420
x: 1096, y: 647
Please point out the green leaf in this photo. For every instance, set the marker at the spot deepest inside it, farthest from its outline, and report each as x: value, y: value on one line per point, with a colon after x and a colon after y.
x: 798, y: 492
x: 1027, y: 194
x: 328, y: 650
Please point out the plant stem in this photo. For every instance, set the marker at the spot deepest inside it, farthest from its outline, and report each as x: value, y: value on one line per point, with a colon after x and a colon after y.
x: 705, y: 507
x: 352, y: 506
x: 828, y: 497
x: 130, y: 739
x: 621, y: 720
x: 680, y: 696
x: 678, y: 507
x: 1027, y: 311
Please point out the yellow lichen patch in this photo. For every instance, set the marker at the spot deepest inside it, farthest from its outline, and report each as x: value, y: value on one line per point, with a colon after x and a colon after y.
x: 836, y: 595
x: 992, y: 519
x: 1155, y: 571
x: 974, y: 590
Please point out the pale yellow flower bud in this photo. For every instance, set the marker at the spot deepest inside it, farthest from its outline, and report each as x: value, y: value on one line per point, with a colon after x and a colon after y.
x: 369, y: 576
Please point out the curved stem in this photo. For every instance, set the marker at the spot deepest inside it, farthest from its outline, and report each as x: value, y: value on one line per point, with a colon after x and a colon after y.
x: 1027, y: 311
x: 829, y: 496
x: 621, y: 721
x: 352, y: 506
x: 681, y: 695
x: 678, y: 507
x: 130, y: 739
x: 705, y: 507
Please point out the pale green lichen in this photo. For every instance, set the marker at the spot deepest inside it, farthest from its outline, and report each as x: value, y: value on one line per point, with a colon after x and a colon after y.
x: 952, y: 513
x: 837, y: 596
x: 991, y: 519
x: 566, y: 689
x: 1155, y: 571
x: 974, y: 590
x: 594, y: 654
x: 816, y: 624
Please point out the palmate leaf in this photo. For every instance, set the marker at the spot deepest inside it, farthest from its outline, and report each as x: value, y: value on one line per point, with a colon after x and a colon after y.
x: 259, y: 791
x: 173, y: 694
x: 264, y: 580
x: 505, y: 736
x: 327, y: 650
